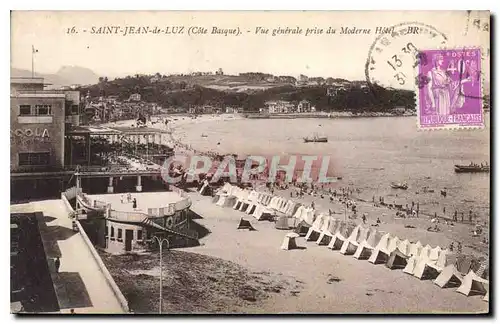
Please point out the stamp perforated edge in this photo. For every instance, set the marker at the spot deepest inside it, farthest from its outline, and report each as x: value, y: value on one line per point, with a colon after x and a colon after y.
x: 452, y: 127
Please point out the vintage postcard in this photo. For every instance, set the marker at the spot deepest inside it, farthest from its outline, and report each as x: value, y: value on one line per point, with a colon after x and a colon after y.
x: 189, y: 162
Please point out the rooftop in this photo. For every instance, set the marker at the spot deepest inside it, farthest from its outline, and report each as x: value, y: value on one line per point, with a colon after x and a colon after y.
x: 27, y: 80
x: 145, y: 200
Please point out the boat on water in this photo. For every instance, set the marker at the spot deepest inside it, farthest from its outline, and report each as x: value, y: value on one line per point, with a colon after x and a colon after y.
x: 472, y: 168
x: 403, y: 186
x: 316, y: 139
x: 204, y: 135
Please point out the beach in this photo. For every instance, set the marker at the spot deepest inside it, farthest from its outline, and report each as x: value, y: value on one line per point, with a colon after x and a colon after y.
x: 334, y: 283
x: 367, y: 163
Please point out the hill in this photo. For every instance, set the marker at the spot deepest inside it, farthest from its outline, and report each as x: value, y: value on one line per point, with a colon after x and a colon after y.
x: 188, y: 91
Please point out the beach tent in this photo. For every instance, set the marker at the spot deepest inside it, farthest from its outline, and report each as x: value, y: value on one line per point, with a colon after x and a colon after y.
x: 434, y: 253
x: 309, y: 215
x: 366, y: 247
x: 262, y: 212
x: 472, y: 284
x: 381, y: 253
x: 292, y: 208
x: 282, y: 223
x: 397, y: 260
x: 393, y: 244
x: 405, y: 247
x: 244, y: 224
x: 289, y: 241
x: 425, y: 252
x: 298, y: 213
x: 328, y: 231
x: 449, y: 277
x: 302, y: 228
x: 274, y: 202
x: 243, y: 196
x: 464, y: 263
x: 424, y: 269
x: 343, y: 232
x: 358, y: 235
x: 445, y: 258
x: 226, y: 201
x: 410, y: 264
x: 242, y: 204
x: 415, y: 248
x: 315, y: 230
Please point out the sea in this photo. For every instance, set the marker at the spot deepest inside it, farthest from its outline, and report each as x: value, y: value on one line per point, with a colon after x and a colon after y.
x: 369, y: 153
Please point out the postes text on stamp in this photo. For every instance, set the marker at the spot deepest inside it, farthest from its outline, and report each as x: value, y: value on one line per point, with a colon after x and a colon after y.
x: 450, y: 89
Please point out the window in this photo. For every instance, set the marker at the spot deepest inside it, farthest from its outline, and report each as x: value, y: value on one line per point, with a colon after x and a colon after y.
x: 43, y: 110
x: 74, y: 109
x: 139, y: 235
x: 24, y: 110
x: 119, y: 234
x: 30, y: 158
x: 112, y: 233
x: 107, y: 231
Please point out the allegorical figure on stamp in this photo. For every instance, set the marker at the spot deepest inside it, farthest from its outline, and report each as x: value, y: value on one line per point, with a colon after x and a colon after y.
x: 444, y: 95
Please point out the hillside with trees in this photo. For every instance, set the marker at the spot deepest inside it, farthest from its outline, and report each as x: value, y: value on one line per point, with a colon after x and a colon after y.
x: 185, y: 92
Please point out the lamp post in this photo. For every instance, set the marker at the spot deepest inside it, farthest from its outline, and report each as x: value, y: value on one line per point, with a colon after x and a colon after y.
x: 160, y: 243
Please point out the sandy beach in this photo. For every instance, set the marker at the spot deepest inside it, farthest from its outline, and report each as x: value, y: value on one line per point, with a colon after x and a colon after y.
x: 333, y: 283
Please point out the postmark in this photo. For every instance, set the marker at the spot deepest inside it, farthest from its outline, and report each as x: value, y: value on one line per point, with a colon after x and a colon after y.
x: 449, y: 91
x: 393, y: 55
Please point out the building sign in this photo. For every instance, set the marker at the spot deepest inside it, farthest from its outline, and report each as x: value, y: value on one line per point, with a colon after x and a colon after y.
x: 29, y: 132
x: 27, y: 136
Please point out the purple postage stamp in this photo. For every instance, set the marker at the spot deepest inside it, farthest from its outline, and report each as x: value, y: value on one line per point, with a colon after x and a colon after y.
x: 450, y: 89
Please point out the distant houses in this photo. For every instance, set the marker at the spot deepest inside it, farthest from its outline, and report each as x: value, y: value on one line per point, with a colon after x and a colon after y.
x: 135, y: 97
x: 287, y: 107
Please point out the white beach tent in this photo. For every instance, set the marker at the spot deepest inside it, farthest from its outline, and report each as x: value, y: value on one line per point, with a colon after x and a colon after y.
x: 229, y: 198
x: 434, y: 254
x: 472, y: 284
x: 410, y: 264
x: 243, y: 196
x: 306, y: 214
x: 366, y: 247
x: 415, y: 248
x: 343, y: 232
x: 405, y: 247
x: 449, y: 277
x: 381, y: 252
x: 289, y: 241
x: 358, y: 235
x: 327, y: 231
x: 425, y: 269
x: 315, y: 229
x: 299, y: 212
x: 221, y: 192
x: 242, y: 204
x: 425, y: 252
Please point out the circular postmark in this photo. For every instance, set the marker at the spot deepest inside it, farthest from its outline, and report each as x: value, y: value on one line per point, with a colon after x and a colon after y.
x: 395, y: 54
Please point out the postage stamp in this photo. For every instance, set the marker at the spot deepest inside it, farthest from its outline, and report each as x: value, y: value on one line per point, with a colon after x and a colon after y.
x: 450, y: 89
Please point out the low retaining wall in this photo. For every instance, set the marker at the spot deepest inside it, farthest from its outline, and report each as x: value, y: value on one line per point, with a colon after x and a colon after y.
x: 104, y: 270
x: 69, y: 208
x: 109, y: 279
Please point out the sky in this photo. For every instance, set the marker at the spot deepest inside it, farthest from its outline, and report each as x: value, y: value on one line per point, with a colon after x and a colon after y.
x: 336, y: 55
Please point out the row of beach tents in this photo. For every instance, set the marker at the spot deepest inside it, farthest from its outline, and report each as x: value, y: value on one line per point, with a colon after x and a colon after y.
x: 446, y: 268
x: 257, y: 204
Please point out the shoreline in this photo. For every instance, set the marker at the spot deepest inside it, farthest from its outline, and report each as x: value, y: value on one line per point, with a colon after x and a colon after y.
x: 456, y: 232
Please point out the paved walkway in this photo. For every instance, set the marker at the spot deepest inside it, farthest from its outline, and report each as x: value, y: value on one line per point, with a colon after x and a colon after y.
x: 80, y: 284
